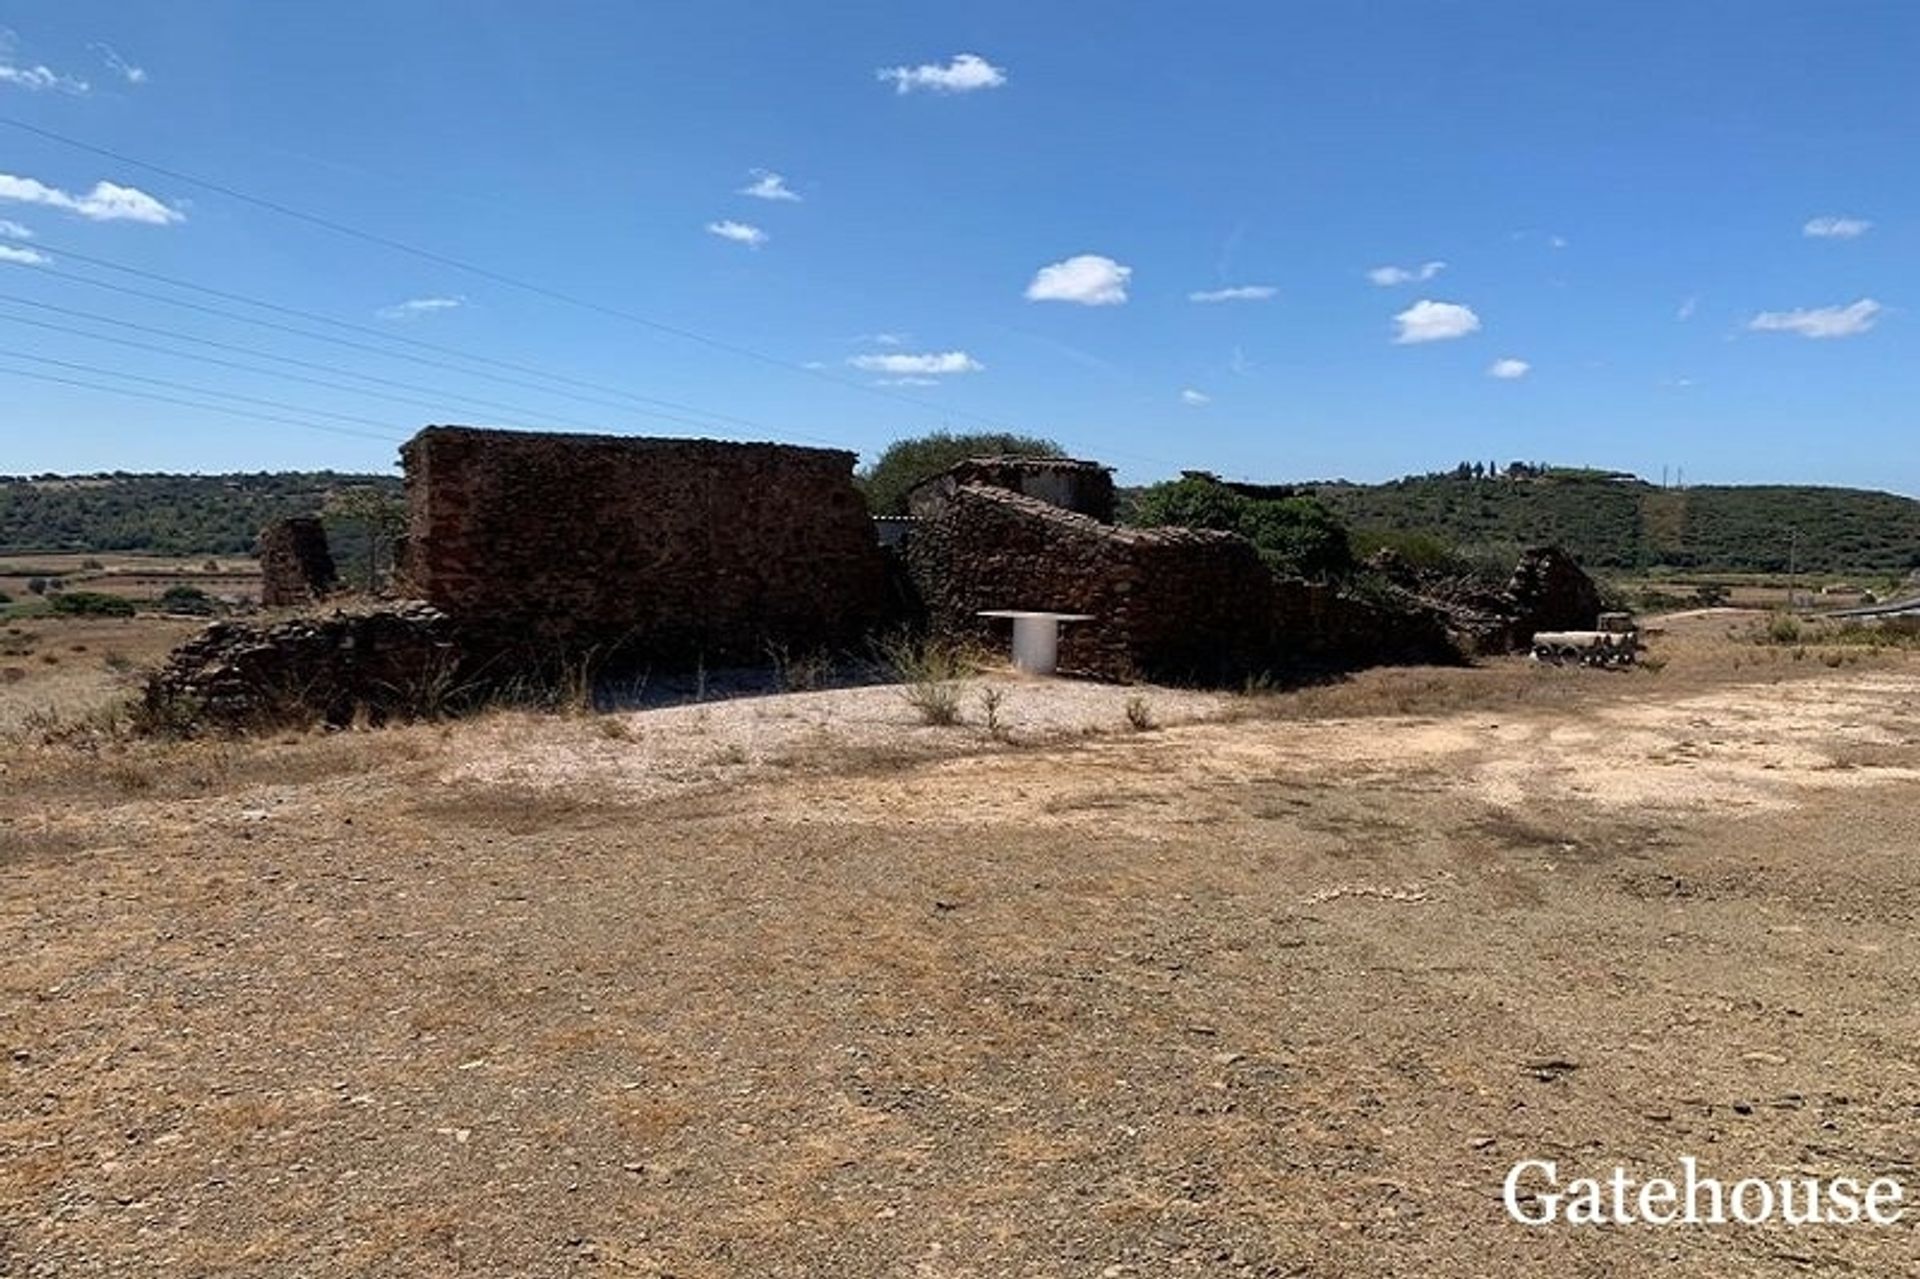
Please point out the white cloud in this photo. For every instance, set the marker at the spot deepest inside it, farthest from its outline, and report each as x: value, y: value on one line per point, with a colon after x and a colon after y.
x: 1509, y: 369
x: 1426, y: 321
x: 413, y: 308
x: 906, y: 381
x: 1089, y: 279
x: 14, y: 231
x: 1687, y: 308
x: 1557, y: 241
x: 119, y: 65
x: 883, y: 339
x: 1235, y: 293
x: 1823, y: 321
x: 967, y: 72
x: 35, y: 78
x: 1386, y: 276
x: 767, y: 185
x: 23, y: 257
x: 739, y: 232
x: 1195, y: 398
x: 1836, y: 228
x: 107, y: 202
x: 931, y: 364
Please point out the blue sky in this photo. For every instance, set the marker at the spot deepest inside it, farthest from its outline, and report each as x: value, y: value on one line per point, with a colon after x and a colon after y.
x: 1685, y: 232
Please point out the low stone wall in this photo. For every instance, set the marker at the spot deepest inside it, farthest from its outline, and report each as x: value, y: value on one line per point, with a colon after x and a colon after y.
x: 669, y: 549
x: 296, y: 565
x: 399, y: 662
x: 1168, y: 604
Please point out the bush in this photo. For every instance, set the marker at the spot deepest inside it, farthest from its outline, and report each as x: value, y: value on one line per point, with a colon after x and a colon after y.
x: 186, y: 599
x: 909, y: 462
x: 91, y: 604
x: 1297, y: 536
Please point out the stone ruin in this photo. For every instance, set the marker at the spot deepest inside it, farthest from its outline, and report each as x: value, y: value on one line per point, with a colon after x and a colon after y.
x: 1169, y: 604
x: 534, y: 553
x: 296, y: 566
x: 381, y: 664
x: 673, y: 549
x: 1068, y: 483
x: 1547, y: 591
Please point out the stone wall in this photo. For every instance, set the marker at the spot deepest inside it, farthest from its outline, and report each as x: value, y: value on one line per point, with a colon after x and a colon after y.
x: 670, y: 549
x: 1068, y: 483
x: 400, y: 662
x: 296, y: 567
x: 1548, y: 590
x: 1168, y: 604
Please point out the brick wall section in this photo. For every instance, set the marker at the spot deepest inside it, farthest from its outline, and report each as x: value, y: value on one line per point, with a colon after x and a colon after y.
x: 672, y: 548
x: 296, y: 566
x: 1168, y: 604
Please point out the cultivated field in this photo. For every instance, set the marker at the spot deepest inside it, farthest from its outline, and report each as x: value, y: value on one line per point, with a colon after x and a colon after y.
x: 132, y: 575
x: 799, y: 986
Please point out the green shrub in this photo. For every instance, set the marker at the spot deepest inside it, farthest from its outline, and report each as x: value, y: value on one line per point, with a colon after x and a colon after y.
x: 1297, y: 536
x: 186, y: 599
x: 91, y: 604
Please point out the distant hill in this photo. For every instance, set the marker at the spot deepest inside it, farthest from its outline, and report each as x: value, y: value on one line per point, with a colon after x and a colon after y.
x: 1615, y: 521
x: 1607, y: 520
x: 164, y: 514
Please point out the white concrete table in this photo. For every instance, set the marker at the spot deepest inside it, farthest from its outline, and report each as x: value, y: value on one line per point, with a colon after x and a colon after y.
x: 1036, y: 637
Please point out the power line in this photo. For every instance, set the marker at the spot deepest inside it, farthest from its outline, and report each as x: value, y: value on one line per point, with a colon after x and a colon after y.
x: 202, y: 390
x: 486, y: 273
x: 212, y: 408
x: 317, y: 318
x: 430, y: 405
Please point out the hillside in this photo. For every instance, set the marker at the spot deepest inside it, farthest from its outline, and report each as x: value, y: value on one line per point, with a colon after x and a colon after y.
x: 164, y: 514
x: 1611, y: 522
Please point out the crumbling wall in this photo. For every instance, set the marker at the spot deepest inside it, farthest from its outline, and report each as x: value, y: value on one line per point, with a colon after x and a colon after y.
x: 1068, y: 483
x: 296, y: 566
x: 391, y: 663
x: 1551, y: 592
x: 665, y: 548
x: 1168, y: 604
x: 1548, y: 590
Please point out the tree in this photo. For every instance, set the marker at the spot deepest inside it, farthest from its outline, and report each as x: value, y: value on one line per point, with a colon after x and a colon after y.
x: 1297, y: 536
x: 909, y: 462
x: 1193, y: 501
x: 377, y: 516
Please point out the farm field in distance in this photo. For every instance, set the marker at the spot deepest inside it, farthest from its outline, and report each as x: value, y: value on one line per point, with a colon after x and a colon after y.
x: 799, y: 985
x: 131, y: 575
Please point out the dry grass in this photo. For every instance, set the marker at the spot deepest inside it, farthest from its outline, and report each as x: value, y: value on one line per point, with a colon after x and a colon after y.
x: 1285, y: 994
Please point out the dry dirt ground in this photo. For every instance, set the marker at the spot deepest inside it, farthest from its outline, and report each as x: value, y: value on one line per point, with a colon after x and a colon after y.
x: 797, y: 986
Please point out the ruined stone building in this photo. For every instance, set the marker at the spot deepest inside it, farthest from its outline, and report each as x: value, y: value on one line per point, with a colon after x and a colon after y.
x: 669, y: 548
x: 1068, y: 483
x: 296, y: 567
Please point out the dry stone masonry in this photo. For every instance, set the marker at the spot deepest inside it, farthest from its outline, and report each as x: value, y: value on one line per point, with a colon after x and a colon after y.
x: 296, y: 566
x: 667, y: 549
x: 1068, y: 483
x: 389, y: 663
